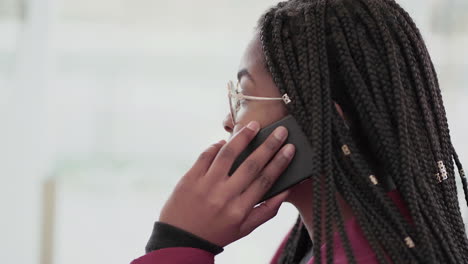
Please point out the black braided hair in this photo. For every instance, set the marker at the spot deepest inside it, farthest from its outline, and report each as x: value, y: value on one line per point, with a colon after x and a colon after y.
x: 370, y: 58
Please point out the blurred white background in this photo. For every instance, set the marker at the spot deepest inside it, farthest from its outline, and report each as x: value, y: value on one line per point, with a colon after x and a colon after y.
x: 104, y: 104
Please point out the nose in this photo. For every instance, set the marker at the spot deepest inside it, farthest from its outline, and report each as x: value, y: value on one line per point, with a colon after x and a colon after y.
x: 227, y: 124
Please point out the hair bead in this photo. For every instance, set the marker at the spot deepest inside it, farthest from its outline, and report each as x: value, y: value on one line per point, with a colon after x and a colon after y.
x: 409, y: 242
x: 286, y: 99
x: 443, y: 171
x: 346, y: 150
x: 373, y: 179
x: 437, y: 175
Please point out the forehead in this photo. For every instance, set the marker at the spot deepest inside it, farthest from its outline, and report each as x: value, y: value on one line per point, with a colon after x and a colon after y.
x: 252, y: 58
x: 254, y: 62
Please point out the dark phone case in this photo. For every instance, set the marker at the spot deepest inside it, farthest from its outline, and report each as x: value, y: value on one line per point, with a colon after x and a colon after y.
x: 300, y: 167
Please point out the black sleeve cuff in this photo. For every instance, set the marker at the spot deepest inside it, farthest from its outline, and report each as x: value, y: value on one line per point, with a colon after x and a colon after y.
x: 165, y: 235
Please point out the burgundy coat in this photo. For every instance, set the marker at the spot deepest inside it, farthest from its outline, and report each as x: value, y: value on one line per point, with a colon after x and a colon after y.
x: 361, y: 248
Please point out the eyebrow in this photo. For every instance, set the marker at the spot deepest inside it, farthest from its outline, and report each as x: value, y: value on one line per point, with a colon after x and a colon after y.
x: 244, y: 72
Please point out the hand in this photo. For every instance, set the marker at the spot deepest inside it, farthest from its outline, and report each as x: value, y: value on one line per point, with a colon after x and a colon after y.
x: 221, y: 208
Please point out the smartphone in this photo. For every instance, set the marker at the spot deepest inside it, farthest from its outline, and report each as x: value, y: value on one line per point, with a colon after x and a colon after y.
x: 300, y: 167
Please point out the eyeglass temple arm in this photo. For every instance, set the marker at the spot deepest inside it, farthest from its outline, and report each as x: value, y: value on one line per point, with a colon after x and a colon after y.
x: 285, y: 98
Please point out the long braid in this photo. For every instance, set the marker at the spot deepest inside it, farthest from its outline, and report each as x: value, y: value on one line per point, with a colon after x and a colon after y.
x: 357, y: 207
x: 317, y: 127
x: 349, y: 68
x: 449, y: 189
x: 292, y: 243
x: 370, y: 199
x: 408, y: 65
x: 461, y: 173
x: 405, y: 184
x: 376, y: 55
x: 377, y: 130
x: 437, y: 223
x: 327, y: 131
x: 369, y: 57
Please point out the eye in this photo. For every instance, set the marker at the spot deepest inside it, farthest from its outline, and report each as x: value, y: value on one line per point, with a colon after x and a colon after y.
x: 243, y: 102
x: 238, y: 87
x: 241, y: 90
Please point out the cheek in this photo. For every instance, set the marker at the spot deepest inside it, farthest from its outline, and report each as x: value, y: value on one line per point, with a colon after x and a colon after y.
x: 249, y: 112
x: 246, y: 114
x: 264, y: 113
x: 253, y: 112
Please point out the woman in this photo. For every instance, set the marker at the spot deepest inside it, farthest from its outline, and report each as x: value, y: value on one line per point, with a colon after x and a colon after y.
x: 363, y: 88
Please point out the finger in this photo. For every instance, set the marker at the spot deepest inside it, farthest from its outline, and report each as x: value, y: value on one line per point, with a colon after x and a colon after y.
x: 228, y: 153
x: 205, y: 159
x: 267, y: 177
x: 249, y: 169
x: 262, y: 213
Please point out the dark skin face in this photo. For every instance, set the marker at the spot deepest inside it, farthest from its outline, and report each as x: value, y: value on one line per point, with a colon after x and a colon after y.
x: 259, y: 82
x: 255, y: 80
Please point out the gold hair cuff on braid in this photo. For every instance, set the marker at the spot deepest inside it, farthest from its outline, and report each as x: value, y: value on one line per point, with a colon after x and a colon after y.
x: 437, y: 175
x: 373, y: 179
x: 409, y: 242
x: 346, y: 150
x: 443, y: 171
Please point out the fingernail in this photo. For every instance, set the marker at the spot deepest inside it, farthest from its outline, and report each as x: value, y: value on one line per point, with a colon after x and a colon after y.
x: 288, y: 151
x: 254, y: 126
x: 280, y: 133
x: 222, y: 141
